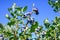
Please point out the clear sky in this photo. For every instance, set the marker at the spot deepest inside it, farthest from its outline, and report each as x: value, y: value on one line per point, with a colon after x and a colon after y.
x: 45, y: 10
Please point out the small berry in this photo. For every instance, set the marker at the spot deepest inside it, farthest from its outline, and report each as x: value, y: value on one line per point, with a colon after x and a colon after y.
x: 43, y: 33
x: 36, y: 11
x: 31, y: 20
x: 37, y: 30
x: 24, y: 27
x: 24, y: 16
x: 28, y: 13
x: 1, y: 35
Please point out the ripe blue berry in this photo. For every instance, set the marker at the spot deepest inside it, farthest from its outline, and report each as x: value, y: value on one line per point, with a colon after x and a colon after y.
x: 30, y: 20
x: 28, y: 13
x: 36, y: 11
x: 24, y: 16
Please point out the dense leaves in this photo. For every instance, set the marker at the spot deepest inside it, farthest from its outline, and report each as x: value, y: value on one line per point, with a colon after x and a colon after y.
x: 34, y: 26
x: 21, y: 25
x: 14, y: 29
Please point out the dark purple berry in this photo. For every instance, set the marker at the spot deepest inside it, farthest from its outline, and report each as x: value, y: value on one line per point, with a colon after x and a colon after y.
x: 28, y: 13
x: 30, y: 20
x: 24, y: 16
x: 1, y: 35
x: 24, y: 27
x: 36, y: 11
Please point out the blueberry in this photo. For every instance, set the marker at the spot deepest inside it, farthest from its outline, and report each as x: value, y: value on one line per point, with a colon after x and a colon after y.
x: 36, y: 11
x: 1, y: 35
x: 30, y: 20
x: 37, y: 29
x: 28, y: 13
x: 24, y: 16
x: 24, y: 27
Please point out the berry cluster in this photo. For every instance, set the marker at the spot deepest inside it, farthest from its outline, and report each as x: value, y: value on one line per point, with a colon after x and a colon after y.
x: 28, y: 15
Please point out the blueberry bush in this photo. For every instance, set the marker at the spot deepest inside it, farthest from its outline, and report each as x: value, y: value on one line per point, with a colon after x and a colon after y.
x: 21, y: 25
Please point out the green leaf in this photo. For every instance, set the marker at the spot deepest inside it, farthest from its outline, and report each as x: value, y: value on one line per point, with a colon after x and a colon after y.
x: 11, y: 38
x: 52, y: 33
x: 21, y: 15
x: 11, y: 23
x: 54, y: 22
x: 7, y: 16
x: 9, y: 9
x: 40, y: 29
x: 34, y: 26
x: 21, y: 22
x: 52, y: 27
x: 1, y: 26
x: 48, y: 34
x: 55, y: 4
x: 49, y: 2
x: 12, y: 14
x: 58, y: 26
x: 24, y: 9
x: 19, y: 8
x: 46, y: 23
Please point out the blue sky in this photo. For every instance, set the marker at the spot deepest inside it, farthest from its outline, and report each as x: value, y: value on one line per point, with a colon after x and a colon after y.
x: 45, y: 10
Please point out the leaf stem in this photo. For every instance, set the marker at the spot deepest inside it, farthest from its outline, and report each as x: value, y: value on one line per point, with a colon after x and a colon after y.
x: 55, y: 35
x: 15, y: 36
